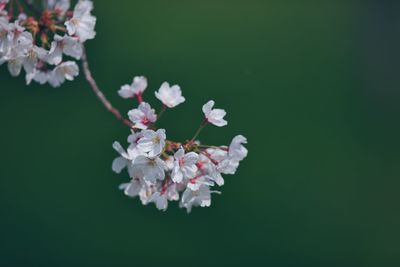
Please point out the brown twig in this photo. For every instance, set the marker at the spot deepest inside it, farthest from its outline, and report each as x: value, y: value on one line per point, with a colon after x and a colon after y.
x: 99, y: 93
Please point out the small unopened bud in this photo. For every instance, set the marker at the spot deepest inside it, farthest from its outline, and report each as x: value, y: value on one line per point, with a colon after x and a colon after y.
x: 32, y: 25
x: 44, y: 38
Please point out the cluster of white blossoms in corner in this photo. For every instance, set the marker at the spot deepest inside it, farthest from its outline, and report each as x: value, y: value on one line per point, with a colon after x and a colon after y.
x: 48, y: 45
x: 162, y: 170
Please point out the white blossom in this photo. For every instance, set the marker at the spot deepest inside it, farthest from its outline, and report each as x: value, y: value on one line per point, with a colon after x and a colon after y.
x: 217, y: 154
x: 138, y: 187
x: 170, y: 96
x: 82, y: 22
x: 22, y: 40
x: 139, y: 84
x: 236, y: 153
x: 152, y: 142
x: 195, y: 183
x: 200, y: 197
x: 34, y: 54
x: 15, y: 61
x: 125, y: 160
x: 5, y: 35
x: 166, y: 193
x: 169, y: 163
x: 65, y: 71
x: 184, y: 166
x: 236, y: 149
x: 143, y: 116
x: 3, y: 15
x: 68, y: 45
x: 132, y: 188
x: 60, y: 6
x: 149, y: 169
x: 228, y: 166
x: 214, y: 116
x: 133, y: 139
x: 160, y: 200
x: 147, y: 192
x: 38, y: 76
x: 208, y: 167
x: 15, y: 47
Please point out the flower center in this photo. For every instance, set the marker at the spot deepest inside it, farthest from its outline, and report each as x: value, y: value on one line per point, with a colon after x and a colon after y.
x: 145, y: 121
x: 151, y: 163
x: 31, y: 55
x: 76, y: 22
x: 156, y: 140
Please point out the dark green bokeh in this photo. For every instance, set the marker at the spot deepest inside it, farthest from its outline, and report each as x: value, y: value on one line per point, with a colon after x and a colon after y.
x: 313, y: 85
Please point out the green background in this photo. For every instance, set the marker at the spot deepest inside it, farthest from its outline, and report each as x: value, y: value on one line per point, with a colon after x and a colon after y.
x: 313, y: 85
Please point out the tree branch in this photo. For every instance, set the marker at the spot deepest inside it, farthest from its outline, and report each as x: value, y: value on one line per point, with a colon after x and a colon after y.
x: 99, y: 93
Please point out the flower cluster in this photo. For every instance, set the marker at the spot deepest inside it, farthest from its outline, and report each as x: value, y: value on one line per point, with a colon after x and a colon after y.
x: 160, y: 169
x: 45, y: 42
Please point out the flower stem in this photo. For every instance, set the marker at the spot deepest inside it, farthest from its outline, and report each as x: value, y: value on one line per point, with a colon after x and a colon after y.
x: 163, y: 109
x: 99, y: 93
x: 201, y: 127
x: 139, y: 98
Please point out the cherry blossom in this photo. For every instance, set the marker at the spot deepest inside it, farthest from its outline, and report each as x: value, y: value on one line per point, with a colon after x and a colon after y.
x: 214, y: 116
x: 152, y: 143
x: 200, y: 197
x: 125, y: 160
x: 60, y: 6
x: 161, y: 198
x: 65, y: 71
x: 149, y: 169
x: 83, y: 22
x: 170, y: 96
x: 66, y: 44
x: 142, y: 116
x: 136, y: 89
x: 184, y: 166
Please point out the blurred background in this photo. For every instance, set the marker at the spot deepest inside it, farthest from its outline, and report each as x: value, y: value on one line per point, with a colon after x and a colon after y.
x: 313, y: 85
